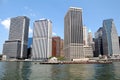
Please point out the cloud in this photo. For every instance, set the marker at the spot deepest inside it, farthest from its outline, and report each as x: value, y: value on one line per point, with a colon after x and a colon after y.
x: 30, y: 30
x: 30, y: 11
x: 5, y: 23
x: 54, y: 34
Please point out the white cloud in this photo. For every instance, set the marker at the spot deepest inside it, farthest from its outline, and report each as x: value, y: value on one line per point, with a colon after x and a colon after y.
x: 30, y: 11
x: 5, y: 23
x: 30, y: 30
x: 54, y: 34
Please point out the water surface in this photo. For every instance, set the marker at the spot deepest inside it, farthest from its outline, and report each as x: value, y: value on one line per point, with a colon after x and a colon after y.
x: 31, y: 71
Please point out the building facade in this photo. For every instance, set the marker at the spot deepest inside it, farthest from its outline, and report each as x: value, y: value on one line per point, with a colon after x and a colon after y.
x: 18, y: 34
x: 90, y: 38
x: 110, y: 39
x: 85, y: 36
x: 98, y: 42
x: 42, y: 40
x: 61, y: 48
x: 88, y: 51
x: 56, y: 46
x: 73, y: 34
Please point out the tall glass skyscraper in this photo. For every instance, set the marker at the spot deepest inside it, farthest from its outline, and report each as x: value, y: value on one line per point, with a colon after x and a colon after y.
x: 73, y: 34
x: 16, y: 46
x: 42, y: 40
x: 110, y: 39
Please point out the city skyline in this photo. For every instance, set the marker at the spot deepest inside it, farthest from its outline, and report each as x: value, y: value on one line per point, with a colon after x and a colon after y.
x: 93, y: 14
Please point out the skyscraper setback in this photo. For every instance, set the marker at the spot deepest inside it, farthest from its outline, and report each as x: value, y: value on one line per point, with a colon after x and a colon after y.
x: 73, y: 34
x: 16, y: 46
x: 42, y: 39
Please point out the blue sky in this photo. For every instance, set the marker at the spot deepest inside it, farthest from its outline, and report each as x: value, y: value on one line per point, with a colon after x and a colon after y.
x: 94, y: 12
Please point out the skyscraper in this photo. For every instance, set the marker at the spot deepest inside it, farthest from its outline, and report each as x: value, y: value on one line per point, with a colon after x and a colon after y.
x: 73, y: 34
x: 110, y: 39
x: 42, y: 40
x: 98, y: 42
x: 16, y: 46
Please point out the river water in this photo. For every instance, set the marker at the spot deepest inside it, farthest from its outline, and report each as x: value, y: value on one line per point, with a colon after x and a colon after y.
x: 32, y: 71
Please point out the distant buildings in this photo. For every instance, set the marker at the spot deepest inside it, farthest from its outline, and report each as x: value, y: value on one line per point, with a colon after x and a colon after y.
x: 87, y: 40
x: 73, y: 34
x: 106, y: 40
x: 90, y: 38
x: 16, y: 45
x: 110, y: 39
x: 56, y: 46
x: 42, y: 40
x: 29, y: 50
x: 85, y: 36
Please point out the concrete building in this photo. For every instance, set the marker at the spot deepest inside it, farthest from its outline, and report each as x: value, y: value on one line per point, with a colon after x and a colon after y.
x: 73, y: 34
x: 42, y: 40
x: 85, y: 36
x: 88, y: 51
x: 61, y: 48
x: 110, y: 39
x: 18, y: 38
x: 90, y: 38
x: 56, y: 46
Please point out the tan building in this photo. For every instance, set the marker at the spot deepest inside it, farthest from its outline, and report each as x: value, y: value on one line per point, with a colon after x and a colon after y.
x: 73, y: 34
x: 61, y: 48
x: 88, y: 51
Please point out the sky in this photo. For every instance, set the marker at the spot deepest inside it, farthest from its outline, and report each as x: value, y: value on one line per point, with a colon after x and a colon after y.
x: 94, y: 12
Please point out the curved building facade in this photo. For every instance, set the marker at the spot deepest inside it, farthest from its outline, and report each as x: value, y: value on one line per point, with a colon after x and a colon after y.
x: 42, y: 39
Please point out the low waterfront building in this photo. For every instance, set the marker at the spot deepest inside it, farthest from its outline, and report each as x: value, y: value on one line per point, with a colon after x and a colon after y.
x: 88, y: 51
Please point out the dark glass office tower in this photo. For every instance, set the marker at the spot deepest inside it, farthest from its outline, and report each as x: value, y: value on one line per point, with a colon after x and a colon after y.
x: 73, y: 34
x: 98, y: 42
x: 18, y: 38
x: 110, y: 39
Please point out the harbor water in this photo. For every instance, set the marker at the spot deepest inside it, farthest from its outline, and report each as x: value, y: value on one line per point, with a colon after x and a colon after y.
x: 32, y: 71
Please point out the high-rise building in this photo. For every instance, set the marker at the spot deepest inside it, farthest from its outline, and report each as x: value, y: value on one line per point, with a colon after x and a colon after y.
x: 16, y: 46
x: 42, y: 40
x: 85, y: 41
x: 110, y: 39
x: 56, y: 46
x: 73, y: 34
x: 98, y: 42
x: 90, y: 38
